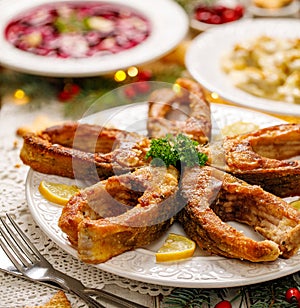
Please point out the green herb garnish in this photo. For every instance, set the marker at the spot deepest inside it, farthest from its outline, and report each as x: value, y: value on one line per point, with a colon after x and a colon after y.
x: 176, y: 150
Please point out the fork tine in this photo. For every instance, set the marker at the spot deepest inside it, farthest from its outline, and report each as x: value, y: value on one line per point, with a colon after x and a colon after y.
x: 29, y: 261
x: 27, y: 241
x: 10, y: 248
x: 15, y: 243
x: 13, y: 260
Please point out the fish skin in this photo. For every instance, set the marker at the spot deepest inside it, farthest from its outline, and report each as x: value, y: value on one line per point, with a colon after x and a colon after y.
x: 214, y: 197
x: 121, y: 213
x: 266, y: 157
x: 83, y: 151
x: 186, y: 111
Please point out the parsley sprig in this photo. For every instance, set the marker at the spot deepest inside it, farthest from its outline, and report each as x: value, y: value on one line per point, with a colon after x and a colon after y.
x: 175, y: 150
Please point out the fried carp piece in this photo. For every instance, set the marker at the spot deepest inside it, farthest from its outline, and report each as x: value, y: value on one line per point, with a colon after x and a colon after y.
x: 84, y: 151
x: 184, y: 110
x: 266, y: 157
x: 121, y: 213
x: 214, y: 197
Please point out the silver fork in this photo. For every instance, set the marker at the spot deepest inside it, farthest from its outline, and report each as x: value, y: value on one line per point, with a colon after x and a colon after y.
x: 29, y: 261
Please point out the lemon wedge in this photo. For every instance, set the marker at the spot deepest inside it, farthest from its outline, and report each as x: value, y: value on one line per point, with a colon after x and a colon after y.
x: 238, y: 128
x: 56, y: 192
x: 176, y: 247
x: 296, y: 204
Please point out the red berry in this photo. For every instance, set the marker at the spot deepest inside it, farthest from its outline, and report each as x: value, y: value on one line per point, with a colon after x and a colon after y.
x: 64, y: 96
x: 223, y: 304
x: 129, y: 92
x: 204, y: 16
x: 229, y: 15
x: 292, y: 295
x: 74, y: 89
x: 144, y: 75
x: 239, y: 10
x: 70, y: 90
x: 142, y: 87
x: 215, y: 19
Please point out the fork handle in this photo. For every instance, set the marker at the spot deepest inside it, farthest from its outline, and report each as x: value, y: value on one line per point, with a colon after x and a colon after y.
x: 75, y: 286
x: 112, y: 298
x: 72, y: 284
x: 88, y: 299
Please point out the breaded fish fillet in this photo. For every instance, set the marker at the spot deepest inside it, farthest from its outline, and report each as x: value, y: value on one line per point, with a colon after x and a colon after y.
x: 269, y: 157
x: 214, y: 197
x: 83, y: 151
x: 121, y: 213
x: 184, y: 110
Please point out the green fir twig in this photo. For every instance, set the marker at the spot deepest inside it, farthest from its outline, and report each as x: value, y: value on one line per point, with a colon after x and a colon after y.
x: 271, y: 294
x: 191, y: 298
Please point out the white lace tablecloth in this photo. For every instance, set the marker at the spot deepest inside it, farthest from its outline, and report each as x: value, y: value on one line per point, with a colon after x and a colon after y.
x: 16, y: 292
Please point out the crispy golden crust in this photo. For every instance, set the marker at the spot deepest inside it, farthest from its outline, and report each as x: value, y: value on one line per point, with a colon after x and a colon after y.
x: 214, y: 197
x: 59, y: 300
x: 266, y: 157
x: 46, y: 157
x: 121, y: 213
x: 84, y: 137
x: 98, y: 241
x: 88, y: 152
x: 174, y: 112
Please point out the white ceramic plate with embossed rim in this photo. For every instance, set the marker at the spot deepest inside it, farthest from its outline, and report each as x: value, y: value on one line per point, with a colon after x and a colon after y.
x: 206, y: 50
x: 169, y: 25
x: 286, y: 11
x: 201, y: 271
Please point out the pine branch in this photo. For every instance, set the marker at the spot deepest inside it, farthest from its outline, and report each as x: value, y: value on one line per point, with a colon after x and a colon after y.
x: 38, y: 89
x: 190, y: 298
x: 272, y: 293
x: 269, y: 294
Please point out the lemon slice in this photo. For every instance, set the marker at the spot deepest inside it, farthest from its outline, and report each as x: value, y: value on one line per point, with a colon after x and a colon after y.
x: 176, y: 247
x: 296, y: 204
x: 56, y: 192
x: 238, y: 128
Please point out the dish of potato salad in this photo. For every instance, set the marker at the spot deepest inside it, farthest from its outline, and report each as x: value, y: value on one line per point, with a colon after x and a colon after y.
x: 256, y: 64
x: 266, y: 67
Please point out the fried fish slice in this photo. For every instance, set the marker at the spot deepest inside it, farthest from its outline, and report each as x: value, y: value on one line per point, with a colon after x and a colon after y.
x: 214, y: 197
x: 121, y: 213
x: 87, y: 152
x: 184, y: 110
x: 268, y: 157
x: 84, y: 137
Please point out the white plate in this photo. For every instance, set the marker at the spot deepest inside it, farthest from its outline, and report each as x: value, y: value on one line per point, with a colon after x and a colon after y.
x: 202, y: 26
x: 169, y: 23
x: 288, y: 10
x: 200, y: 271
x: 204, y: 55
